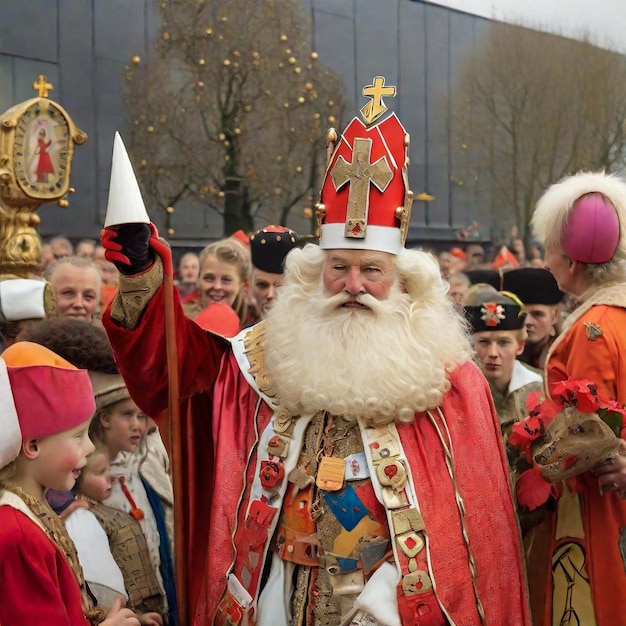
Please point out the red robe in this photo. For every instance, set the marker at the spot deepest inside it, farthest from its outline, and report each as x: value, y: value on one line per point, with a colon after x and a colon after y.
x: 44, y: 163
x: 37, y: 585
x: 210, y: 376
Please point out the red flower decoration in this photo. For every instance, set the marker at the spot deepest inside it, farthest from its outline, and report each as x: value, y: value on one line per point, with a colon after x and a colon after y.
x: 524, y: 433
x: 532, y: 489
x: 581, y: 394
x: 533, y: 401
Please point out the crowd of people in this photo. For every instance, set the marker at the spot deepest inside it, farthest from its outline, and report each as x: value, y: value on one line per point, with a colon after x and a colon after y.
x: 225, y: 287
x: 351, y: 418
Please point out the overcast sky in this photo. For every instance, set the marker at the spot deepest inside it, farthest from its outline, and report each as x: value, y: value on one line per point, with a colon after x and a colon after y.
x: 603, y: 20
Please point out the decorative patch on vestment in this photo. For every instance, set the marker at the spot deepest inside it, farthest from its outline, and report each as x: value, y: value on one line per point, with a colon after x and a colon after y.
x: 593, y: 330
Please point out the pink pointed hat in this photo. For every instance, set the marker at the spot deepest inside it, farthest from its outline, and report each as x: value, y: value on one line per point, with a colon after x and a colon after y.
x: 41, y: 394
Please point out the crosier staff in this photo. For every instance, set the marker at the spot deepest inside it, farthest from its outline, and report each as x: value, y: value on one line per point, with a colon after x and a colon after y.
x: 126, y: 207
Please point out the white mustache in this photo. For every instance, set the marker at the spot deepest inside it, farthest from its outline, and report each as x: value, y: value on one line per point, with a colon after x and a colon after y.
x: 329, y: 304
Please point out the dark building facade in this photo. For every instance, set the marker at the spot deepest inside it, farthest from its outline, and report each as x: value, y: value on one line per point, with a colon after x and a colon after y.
x: 82, y: 47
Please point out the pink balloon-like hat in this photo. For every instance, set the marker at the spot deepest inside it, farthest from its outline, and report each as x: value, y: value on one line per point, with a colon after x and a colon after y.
x: 591, y: 232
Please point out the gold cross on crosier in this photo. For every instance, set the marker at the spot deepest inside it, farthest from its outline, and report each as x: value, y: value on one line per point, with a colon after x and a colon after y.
x: 360, y: 174
x: 376, y: 107
x: 42, y: 86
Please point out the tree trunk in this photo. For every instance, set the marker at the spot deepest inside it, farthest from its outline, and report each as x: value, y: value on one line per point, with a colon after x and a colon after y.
x: 237, y: 208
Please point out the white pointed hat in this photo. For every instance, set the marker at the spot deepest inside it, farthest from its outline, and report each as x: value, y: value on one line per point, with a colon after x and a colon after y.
x: 125, y: 204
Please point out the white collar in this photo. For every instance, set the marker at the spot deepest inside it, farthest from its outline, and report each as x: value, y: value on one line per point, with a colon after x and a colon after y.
x: 522, y: 376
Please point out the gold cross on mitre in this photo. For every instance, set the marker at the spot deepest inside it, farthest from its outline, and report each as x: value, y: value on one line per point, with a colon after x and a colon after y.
x: 361, y: 173
x: 376, y: 107
x: 42, y: 86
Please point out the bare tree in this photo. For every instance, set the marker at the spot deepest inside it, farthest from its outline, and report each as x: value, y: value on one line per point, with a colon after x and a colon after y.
x: 231, y: 110
x: 530, y: 108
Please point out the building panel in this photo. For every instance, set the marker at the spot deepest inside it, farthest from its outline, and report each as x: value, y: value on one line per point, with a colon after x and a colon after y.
x: 83, y: 47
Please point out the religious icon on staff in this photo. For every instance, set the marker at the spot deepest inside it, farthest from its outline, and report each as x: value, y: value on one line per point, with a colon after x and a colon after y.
x: 45, y: 139
x: 41, y: 148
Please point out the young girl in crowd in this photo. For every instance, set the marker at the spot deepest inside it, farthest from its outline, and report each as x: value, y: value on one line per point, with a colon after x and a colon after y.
x: 47, y: 404
x: 142, y: 487
x: 113, y: 554
x: 223, y: 278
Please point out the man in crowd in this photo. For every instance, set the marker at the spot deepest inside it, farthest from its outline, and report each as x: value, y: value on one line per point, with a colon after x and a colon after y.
x: 60, y: 247
x: 359, y: 475
x: 268, y: 248
x: 475, y: 256
x: 86, y: 248
x: 459, y: 286
x: 188, y: 269
x: 537, y: 289
x: 76, y: 282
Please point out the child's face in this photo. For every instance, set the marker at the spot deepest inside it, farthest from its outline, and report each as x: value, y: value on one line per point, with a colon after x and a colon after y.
x: 61, y: 457
x: 496, y: 351
x: 96, y: 478
x: 123, y: 425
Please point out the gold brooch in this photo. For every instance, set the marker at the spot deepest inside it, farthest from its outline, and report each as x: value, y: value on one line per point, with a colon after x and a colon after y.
x: 593, y: 330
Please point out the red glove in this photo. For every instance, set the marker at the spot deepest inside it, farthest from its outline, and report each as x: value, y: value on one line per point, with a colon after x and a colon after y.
x: 131, y: 248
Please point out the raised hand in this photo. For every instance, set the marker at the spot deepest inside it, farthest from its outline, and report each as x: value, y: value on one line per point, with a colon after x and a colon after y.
x: 128, y: 247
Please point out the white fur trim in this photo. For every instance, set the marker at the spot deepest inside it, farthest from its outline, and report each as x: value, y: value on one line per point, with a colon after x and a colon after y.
x: 11, y: 439
x: 381, y: 238
x: 569, y: 189
x: 22, y: 299
x: 125, y: 204
x: 379, y: 597
x: 557, y: 202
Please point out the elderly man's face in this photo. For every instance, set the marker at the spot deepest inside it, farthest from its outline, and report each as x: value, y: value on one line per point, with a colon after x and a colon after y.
x: 359, y: 272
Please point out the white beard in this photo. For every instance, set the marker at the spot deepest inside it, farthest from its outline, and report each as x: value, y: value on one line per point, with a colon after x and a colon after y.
x: 381, y: 363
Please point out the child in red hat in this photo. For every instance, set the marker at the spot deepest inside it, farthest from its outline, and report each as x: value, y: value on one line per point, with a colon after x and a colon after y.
x: 47, y: 405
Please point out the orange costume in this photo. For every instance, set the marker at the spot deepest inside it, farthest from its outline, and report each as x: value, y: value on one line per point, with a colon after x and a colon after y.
x: 576, y: 567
